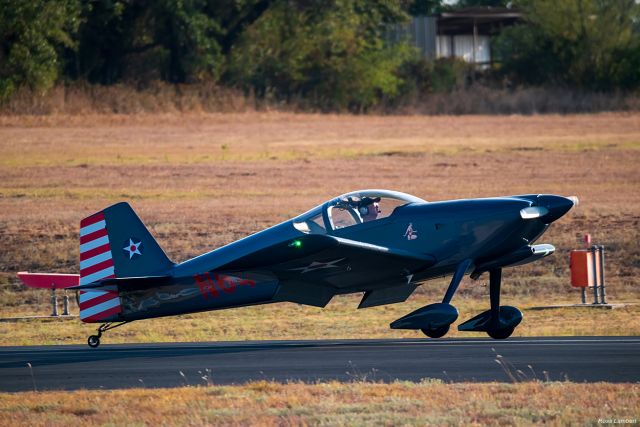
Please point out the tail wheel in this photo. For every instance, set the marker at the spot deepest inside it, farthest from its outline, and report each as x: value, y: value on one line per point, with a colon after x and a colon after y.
x: 437, y: 332
x: 500, y: 334
x: 93, y: 341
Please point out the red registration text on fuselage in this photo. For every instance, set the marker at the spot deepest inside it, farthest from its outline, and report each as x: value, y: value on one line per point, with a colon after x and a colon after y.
x: 220, y: 283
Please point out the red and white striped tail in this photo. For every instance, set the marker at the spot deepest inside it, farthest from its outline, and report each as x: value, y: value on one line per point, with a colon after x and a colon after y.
x: 99, y: 305
x: 96, y: 263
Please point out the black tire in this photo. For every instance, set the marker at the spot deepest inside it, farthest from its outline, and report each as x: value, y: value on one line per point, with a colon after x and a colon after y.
x: 93, y: 341
x: 437, y: 332
x: 500, y: 334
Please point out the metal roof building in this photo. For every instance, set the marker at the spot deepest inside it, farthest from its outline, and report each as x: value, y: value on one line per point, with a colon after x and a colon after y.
x: 463, y: 33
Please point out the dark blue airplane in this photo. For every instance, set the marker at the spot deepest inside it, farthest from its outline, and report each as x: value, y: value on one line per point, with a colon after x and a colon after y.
x: 383, y: 243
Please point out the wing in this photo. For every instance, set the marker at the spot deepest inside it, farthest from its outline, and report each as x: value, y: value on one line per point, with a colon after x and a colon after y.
x: 313, y: 268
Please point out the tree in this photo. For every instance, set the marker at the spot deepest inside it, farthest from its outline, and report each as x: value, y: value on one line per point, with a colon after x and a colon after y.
x: 330, y: 53
x: 424, y: 7
x: 32, y: 36
x: 173, y: 40
x: 584, y: 43
x: 179, y: 41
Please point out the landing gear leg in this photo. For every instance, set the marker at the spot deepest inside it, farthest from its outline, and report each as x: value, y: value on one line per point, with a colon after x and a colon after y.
x: 495, y: 330
x: 495, y: 280
x: 455, y: 280
x: 94, y: 340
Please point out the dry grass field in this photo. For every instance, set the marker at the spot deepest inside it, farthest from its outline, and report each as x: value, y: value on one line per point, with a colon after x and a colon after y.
x: 203, y: 180
x: 331, y: 404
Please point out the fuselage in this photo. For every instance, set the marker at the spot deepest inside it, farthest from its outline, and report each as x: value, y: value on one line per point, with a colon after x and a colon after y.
x: 481, y: 230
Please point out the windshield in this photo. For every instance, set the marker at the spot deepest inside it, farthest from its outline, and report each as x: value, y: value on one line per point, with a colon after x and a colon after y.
x: 353, y: 208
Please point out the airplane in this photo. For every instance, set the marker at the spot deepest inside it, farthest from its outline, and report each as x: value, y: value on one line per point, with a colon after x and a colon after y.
x: 377, y: 242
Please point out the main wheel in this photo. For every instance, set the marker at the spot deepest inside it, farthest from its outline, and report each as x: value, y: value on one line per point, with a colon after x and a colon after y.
x: 437, y: 332
x: 93, y: 341
x: 500, y: 334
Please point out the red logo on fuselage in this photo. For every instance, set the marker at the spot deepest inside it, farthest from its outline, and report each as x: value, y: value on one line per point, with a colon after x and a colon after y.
x: 220, y: 283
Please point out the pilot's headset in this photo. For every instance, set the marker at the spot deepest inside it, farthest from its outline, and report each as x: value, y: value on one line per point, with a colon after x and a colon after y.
x: 364, y: 208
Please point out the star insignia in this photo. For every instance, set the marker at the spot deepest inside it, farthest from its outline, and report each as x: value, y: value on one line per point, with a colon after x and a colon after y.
x: 316, y: 265
x: 133, y: 248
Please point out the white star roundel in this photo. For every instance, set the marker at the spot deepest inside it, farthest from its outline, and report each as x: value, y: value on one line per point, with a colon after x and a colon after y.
x: 133, y: 248
x: 315, y: 265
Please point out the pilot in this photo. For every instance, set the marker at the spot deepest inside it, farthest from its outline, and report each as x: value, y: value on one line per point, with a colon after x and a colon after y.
x: 369, y: 209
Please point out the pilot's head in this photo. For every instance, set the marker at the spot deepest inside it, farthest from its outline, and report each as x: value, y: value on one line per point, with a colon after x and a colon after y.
x: 369, y: 209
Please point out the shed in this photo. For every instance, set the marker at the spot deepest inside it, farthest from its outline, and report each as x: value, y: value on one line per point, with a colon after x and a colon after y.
x: 463, y: 33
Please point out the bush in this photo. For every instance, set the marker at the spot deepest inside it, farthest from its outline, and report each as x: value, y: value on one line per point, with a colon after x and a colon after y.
x: 422, y: 78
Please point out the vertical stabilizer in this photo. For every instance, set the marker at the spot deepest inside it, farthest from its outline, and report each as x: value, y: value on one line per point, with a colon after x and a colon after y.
x: 114, y: 243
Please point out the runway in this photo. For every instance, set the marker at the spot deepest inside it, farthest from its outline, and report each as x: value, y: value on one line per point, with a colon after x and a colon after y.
x: 614, y: 359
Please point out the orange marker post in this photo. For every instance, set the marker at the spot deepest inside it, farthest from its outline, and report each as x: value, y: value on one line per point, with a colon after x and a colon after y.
x: 587, y: 269
x: 580, y: 264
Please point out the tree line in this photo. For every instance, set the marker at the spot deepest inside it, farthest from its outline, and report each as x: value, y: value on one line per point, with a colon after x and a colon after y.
x: 328, y: 54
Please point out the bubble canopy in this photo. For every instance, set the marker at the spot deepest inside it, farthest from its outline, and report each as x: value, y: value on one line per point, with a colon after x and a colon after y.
x: 354, y: 208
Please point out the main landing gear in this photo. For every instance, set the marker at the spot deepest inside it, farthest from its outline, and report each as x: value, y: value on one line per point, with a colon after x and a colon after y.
x: 94, y: 340
x: 500, y: 321
x: 434, y: 320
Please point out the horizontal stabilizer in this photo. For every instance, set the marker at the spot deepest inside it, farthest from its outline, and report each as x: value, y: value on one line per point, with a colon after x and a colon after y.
x: 49, y: 280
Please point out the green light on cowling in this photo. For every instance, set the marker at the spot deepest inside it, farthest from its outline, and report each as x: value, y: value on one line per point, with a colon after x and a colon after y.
x: 296, y: 244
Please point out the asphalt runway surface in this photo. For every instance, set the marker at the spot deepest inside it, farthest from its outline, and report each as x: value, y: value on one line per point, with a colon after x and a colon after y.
x: 579, y: 359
